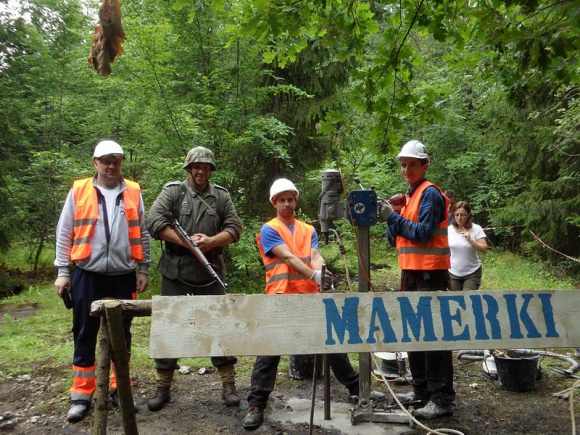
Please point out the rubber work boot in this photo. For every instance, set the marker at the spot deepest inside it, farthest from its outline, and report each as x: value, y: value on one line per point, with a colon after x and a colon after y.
x: 77, y: 412
x: 254, y: 418
x: 230, y: 395
x: 432, y: 410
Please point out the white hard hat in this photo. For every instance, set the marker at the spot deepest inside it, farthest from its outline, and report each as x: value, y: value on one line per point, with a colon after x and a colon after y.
x: 415, y: 149
x: 282, y: 185
x: 107, y: 148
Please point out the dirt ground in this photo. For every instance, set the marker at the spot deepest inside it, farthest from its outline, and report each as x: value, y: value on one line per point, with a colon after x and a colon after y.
x: 37, y: 405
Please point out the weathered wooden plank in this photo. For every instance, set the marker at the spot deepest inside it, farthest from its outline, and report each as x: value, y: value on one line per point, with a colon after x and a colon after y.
x: 133, y: 308
x: 195, y: 326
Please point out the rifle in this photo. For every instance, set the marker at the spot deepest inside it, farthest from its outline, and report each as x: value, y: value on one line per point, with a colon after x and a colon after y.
x: 192, y: 246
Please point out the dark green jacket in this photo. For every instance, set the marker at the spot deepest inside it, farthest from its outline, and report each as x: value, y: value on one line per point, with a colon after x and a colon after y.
x: 195, y: 217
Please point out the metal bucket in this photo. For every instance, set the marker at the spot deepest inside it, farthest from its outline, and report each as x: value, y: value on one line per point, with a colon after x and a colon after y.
x: 393, y: 364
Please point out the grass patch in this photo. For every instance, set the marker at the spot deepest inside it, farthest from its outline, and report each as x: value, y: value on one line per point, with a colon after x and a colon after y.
x: 508, y: 271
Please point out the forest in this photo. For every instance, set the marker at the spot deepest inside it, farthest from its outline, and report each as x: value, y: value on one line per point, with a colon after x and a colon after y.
x: 292, y: 88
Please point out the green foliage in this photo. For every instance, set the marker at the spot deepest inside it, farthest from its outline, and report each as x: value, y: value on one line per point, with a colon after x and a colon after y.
x: 290, y: 89
x: 287, y: 28
x: 246, y: 273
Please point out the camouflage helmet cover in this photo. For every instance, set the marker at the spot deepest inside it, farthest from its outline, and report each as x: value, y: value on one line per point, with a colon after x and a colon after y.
x: 199, y: 155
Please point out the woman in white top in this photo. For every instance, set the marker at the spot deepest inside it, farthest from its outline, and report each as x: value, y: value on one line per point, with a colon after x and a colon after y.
x: 466, y: 239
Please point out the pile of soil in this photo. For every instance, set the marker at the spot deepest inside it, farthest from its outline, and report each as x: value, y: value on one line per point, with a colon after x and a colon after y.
x: 37, y: 404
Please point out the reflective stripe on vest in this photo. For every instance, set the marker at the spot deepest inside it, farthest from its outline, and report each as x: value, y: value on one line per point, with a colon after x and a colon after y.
x: 84, y: 383
x: 281, y: 278
x: 433, y: 255
x: 87, y: 215
x: 132, y: 198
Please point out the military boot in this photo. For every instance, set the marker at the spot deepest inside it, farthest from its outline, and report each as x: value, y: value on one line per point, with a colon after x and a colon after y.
x: 229, y: 393
x: 162, y: 396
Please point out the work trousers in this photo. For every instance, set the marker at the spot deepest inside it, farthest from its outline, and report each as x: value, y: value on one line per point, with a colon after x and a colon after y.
x: 266, y: 367
x: 176, y: 287
x: 87, y: 287
x: 432, y: 371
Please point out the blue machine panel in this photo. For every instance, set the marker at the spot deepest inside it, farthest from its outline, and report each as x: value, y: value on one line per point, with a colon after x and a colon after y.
x: 362, y: 207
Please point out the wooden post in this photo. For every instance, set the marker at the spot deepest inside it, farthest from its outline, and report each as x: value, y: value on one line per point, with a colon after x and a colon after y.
x: 113, y: 313
x: 103, y: 367
x: 364, y: 276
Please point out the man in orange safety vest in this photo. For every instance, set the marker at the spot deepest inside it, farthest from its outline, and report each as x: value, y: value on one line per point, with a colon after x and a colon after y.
x: 289, y: 250
x: 101, y: 241
x: 417, y: 226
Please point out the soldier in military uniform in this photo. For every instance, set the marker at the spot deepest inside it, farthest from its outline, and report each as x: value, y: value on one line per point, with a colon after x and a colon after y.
x: 207, y: 214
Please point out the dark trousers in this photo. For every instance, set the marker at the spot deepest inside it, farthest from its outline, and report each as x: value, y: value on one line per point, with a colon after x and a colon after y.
x: 175, y: 287
x: 468, y: 282
x: 266, y: 367
x: 432, y: 371
x: 87, y: 287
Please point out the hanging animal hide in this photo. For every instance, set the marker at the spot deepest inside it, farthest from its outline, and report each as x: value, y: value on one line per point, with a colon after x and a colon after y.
x: 109, y: 36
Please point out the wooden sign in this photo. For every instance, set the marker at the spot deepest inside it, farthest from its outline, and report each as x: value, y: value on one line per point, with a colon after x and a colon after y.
x: 196, y: 326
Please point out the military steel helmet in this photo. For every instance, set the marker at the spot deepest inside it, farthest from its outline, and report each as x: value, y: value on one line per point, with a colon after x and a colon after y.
x: 200, y: 155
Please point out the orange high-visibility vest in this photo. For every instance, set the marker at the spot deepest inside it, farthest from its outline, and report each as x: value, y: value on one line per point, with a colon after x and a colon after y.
x: 87, y: 214
x: 433, y: 255
x: 281, y: 278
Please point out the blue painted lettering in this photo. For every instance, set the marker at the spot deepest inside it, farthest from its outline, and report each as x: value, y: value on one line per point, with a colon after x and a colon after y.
x: 413, y: 321
x: 523, y: 315
x: 447, y: 318
x: 491, y: 316
x: 548, y: 311
x: 379, y: 311
x: 347, y: 322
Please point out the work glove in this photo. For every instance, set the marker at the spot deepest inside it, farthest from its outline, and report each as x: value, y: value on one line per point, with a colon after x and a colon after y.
x: 385, y: 210
x: 317, y: 277
x: 328, y: 283
x: 328, y: 286
x: 397, y: 201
